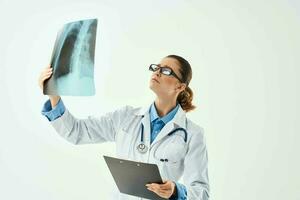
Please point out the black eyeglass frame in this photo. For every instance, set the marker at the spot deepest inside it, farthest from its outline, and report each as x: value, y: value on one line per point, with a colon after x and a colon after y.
x: 164, y: 69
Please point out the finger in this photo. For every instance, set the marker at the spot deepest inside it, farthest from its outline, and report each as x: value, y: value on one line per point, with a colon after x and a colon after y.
x: 152, y: 186
x: 155, y: 186
x: 164, y: 190
x: 47, y: 74
x: 156, y: 190
x: 165, y: 186
x: 50, y: 72
x: 153, y: 190
x: 168, y: 187
x: 161, y: 193
x: 47, y: 71
x: 164, y: 194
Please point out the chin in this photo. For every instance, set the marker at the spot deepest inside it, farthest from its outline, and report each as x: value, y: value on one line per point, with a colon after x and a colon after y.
x: 152, y: 87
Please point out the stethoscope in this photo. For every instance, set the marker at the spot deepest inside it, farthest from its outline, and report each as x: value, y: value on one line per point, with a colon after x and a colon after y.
x: 142, y: 148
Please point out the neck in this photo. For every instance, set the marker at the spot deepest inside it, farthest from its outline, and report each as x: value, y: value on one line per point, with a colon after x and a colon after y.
x: 164, y: 105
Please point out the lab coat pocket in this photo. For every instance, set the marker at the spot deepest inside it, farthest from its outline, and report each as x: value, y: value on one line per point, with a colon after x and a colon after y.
x: 171, y: 151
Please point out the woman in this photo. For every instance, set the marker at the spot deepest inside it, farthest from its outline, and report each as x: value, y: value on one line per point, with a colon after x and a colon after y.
x: 144, y: 134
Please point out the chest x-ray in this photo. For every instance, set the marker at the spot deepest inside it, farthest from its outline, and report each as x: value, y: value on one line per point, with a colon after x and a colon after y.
x: 73, y: 60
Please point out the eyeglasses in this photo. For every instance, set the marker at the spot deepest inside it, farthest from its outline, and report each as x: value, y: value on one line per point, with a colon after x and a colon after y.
x: 164, y: 70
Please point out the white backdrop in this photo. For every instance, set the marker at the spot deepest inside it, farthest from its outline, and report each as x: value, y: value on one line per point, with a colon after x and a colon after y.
x: 245, y: 59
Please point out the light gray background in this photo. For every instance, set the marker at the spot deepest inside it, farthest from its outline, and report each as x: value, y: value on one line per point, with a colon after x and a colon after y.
x: 245, y: 58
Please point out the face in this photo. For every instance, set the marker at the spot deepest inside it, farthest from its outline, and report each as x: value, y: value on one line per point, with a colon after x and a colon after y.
x: 167, y: 85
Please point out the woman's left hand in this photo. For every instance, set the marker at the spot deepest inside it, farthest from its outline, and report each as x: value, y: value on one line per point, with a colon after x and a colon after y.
x: 165, y: 190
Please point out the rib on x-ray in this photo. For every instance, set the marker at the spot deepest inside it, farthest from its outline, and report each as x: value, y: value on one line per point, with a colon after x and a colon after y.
x: 73, y: 60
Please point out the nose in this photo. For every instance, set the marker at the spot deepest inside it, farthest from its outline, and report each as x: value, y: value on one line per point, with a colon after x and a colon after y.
x: 157, y: 73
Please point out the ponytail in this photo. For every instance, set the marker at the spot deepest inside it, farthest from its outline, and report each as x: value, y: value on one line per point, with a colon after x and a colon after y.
x: 185, y: 99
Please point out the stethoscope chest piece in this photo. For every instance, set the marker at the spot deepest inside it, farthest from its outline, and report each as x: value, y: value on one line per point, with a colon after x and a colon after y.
x: 142, y: 148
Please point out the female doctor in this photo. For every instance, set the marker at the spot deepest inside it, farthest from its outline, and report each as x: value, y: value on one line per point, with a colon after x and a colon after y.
x: 159, y: 133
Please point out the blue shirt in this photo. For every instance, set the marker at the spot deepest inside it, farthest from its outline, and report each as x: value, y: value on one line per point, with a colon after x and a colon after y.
x: 157, y: 123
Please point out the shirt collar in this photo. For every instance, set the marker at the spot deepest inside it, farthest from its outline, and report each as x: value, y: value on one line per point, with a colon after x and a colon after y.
x: 166, y: 118
x: 179, y: 118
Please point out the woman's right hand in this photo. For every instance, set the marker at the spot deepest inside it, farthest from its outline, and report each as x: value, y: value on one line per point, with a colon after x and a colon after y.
x: 46, y: 74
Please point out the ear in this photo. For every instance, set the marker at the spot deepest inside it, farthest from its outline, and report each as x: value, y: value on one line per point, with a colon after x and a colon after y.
x: 180, y: 87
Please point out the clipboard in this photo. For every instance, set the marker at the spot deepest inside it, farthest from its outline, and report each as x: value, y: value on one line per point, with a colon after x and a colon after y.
x: 131, y: 177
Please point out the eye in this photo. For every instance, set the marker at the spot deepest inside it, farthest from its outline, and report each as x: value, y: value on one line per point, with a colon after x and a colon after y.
x: 166, y: 71
x: 153, y: 67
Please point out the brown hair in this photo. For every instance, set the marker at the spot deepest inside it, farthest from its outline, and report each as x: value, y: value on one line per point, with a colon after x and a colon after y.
x: 185, y: 97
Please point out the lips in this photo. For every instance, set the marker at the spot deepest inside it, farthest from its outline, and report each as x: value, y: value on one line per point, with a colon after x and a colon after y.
x: 155, y: 80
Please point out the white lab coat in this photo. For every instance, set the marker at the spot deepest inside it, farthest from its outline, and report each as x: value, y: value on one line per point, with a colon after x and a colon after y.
x: 123, y: 126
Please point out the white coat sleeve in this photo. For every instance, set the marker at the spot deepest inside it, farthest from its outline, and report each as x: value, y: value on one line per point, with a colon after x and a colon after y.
x: 195, y: 176
x: 91, y: 129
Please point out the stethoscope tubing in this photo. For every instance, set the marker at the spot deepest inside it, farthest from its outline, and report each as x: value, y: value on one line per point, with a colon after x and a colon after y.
x: 142, y: 148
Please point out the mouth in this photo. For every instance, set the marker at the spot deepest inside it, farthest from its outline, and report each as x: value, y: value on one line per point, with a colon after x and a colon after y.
x: 153, y: 79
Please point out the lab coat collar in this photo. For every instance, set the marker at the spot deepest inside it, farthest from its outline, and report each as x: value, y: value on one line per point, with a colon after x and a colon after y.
x: 179, y: 118
x: 142, y: 111
x: 179, y: 121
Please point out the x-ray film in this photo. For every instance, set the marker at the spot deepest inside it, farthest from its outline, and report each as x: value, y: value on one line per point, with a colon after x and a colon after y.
x: 73, y: 60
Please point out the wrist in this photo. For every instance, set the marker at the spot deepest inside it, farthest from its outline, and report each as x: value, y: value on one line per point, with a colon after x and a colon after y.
x: 174, y: 194
x: 54, y: 100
